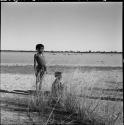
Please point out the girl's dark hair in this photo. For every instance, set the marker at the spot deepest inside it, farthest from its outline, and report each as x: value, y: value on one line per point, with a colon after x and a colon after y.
x: 58, y: 74
x: 38, y: 46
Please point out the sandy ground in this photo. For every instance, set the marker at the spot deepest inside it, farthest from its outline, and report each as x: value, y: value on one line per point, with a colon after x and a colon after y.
x: 13, y: 118
x: 86, y: 78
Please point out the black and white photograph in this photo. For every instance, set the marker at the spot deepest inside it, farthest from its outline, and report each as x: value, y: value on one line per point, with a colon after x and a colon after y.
x: 61, y: 63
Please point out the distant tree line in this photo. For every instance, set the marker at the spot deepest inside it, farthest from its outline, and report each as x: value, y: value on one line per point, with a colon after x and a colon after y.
x: 53, y: 0
x: 59, y: 1
x: 70, y: 51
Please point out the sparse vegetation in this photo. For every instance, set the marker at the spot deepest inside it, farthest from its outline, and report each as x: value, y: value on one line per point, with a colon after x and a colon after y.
x: 69, y: 110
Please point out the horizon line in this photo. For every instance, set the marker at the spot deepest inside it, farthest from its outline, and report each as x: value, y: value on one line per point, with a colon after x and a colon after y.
x: 76, y: 51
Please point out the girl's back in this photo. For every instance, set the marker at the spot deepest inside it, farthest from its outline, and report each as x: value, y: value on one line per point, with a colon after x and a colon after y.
x: 57, y: 88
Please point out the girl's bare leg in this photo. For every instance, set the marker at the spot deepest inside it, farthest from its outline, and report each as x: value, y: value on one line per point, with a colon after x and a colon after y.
x: 41, y: 80
x: 36, y: 83
x: 37, y: 80
x: 40, y: 84
x: 37, y: 95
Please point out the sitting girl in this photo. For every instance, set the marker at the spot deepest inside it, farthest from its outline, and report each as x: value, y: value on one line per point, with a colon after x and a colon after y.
x: 57, y: 86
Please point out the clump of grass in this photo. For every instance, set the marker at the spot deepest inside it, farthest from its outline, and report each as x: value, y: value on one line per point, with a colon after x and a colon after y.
x: 70, y: 103
x: 88, y: 114
x: 79, y: 114
x: 39, y: 106
x: 75, y: 110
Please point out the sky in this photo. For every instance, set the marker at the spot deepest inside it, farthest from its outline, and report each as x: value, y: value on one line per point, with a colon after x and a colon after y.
x: 62, y: 26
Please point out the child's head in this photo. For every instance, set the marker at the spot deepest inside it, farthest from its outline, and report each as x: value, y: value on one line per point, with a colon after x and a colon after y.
x: 58, y: 75
x: 40, y: 48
